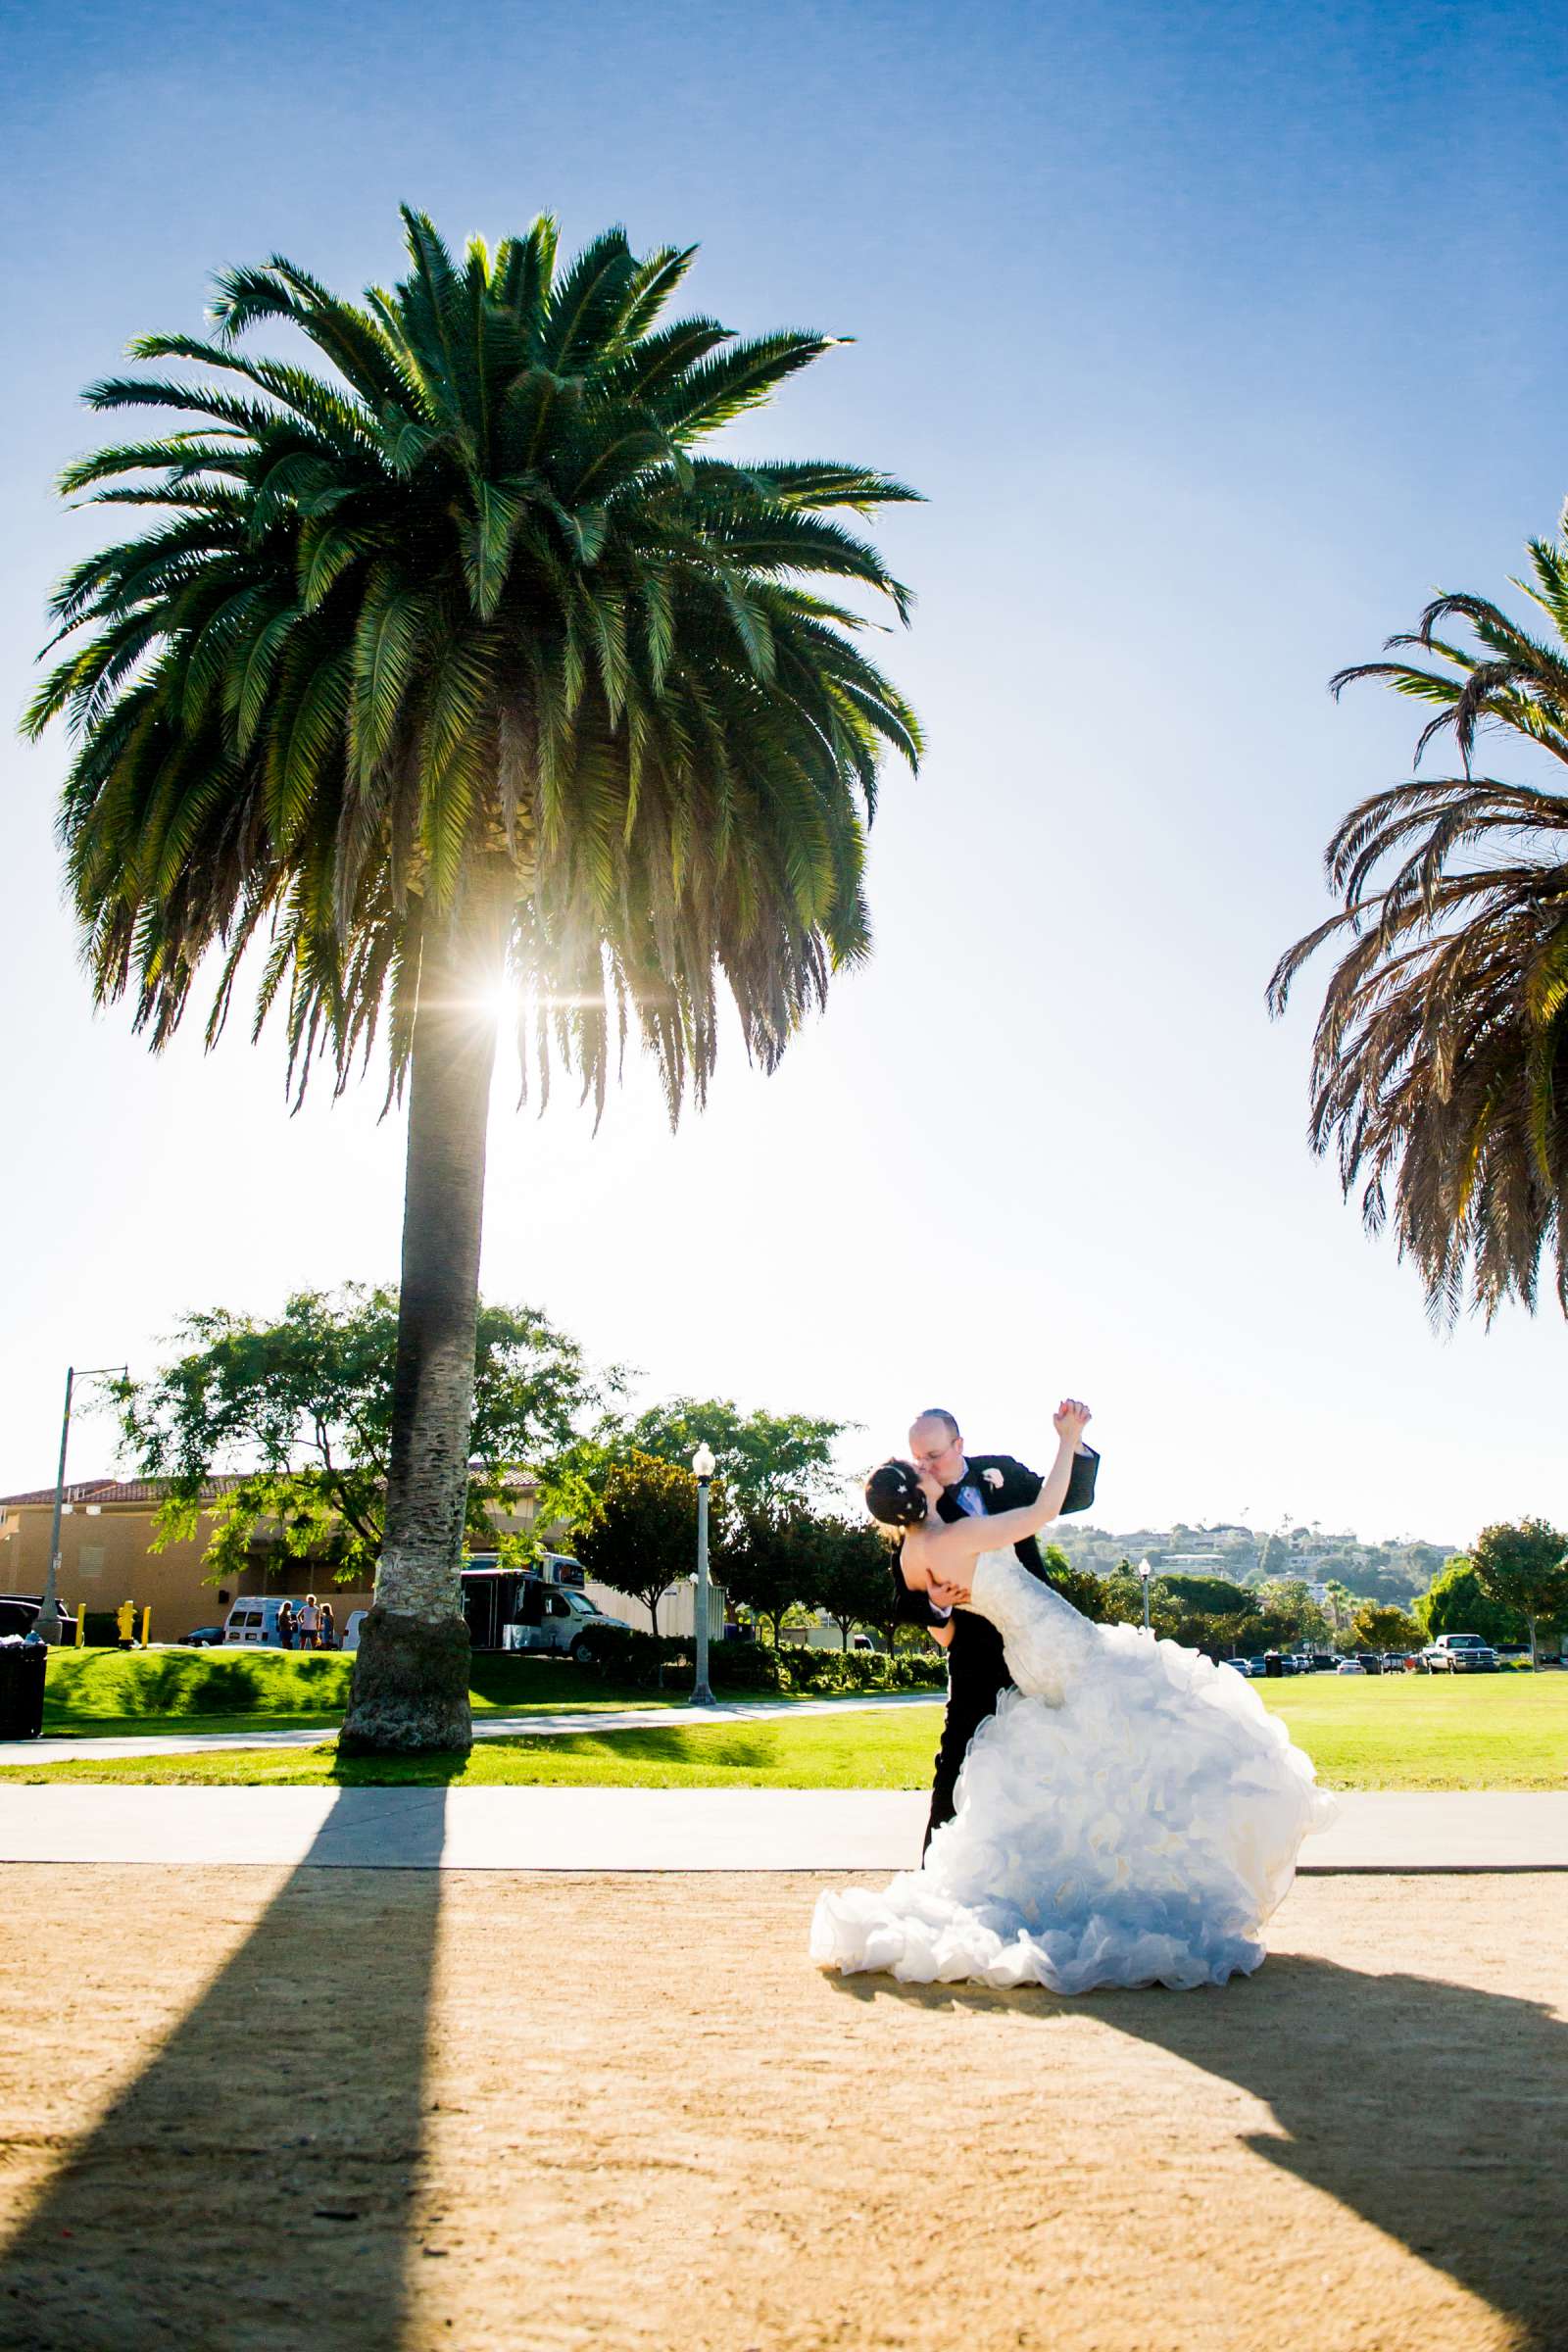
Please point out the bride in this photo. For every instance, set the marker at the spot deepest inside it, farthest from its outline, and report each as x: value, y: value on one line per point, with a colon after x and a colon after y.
x: 1130, y: 1815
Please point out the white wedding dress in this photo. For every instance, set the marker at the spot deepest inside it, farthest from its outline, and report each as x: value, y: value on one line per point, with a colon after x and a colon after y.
x: 1130, y: 1815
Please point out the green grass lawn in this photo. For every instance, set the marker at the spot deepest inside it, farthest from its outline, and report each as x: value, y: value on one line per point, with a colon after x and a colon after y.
x: 1437, y: 1731
x: 817, y: 1752
x: 117, y: 1693
x: 1503, y: 1731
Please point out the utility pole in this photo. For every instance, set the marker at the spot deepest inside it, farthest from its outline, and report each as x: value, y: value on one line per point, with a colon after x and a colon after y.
x: 47, y: 1626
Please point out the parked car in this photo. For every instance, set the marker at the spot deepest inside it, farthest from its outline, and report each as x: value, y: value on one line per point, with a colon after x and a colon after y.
x: 202, y: 1636
x: 19, y: 1613
x: 1350, y: 1666
x: 1459, y: 1653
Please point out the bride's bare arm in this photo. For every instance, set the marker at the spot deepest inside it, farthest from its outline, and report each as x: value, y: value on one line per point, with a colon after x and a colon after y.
x: 945, y: 1555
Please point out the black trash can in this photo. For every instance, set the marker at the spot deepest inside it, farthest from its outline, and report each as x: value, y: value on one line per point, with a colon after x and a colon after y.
x: 1273, y: 1663
x: 23, y: 1667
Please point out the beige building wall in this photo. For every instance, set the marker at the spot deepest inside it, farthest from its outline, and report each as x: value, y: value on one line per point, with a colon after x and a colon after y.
x: 106, y: 1556
x: 677, y: 1610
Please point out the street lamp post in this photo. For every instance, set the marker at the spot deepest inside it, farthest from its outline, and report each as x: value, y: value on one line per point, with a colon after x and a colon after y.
x: 47, y: 1625
x: 705, y: 1465
x: 1145, y: 1572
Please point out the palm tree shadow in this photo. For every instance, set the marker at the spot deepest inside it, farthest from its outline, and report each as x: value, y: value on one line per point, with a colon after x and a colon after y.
x: 253, y: 2185
x: 1437, y: 2112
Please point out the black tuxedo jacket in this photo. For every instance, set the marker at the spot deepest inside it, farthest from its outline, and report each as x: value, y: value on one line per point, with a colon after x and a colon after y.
x: 976, y: 1668
x: 977, y: 1664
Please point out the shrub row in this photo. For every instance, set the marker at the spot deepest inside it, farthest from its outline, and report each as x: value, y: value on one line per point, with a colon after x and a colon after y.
x: 643, y: 1660
x: 863, y: 1670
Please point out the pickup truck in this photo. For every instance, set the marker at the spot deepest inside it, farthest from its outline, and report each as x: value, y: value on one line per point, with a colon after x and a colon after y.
x: 1459, y: 1653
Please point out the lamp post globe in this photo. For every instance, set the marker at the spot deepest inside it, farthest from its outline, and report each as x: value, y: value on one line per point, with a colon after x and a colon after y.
x: 704, y: 1465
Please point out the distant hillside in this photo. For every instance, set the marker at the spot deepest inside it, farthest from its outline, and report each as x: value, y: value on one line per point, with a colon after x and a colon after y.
x: 1395, y: 1571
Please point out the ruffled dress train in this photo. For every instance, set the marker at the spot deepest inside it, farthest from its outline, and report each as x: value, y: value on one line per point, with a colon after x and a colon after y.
x: 1130, y: 1815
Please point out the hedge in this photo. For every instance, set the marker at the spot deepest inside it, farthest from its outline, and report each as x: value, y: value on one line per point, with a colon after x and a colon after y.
x: 648, y: 1660
x: 863, y: 1670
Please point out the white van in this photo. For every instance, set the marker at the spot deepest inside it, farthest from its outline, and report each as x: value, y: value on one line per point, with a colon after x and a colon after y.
x: 254, y: 1619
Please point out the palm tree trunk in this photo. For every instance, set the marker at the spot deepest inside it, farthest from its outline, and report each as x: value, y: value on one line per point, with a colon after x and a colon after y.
x: 409, y: 1688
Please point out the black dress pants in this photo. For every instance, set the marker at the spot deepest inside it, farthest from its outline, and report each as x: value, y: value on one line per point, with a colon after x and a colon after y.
x: 977, y: 1678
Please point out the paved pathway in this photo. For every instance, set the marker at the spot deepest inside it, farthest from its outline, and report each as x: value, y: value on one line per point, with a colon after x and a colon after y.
x: 485, y: 1727
x: 668, y: 1829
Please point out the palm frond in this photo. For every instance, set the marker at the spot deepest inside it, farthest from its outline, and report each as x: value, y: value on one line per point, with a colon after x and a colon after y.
x: 458, y: 612
x: 1440, y: 1051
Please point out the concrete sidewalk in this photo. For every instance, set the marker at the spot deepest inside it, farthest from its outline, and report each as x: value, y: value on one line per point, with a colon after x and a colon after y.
x: 669, y: 1828
x: 553, y: 1726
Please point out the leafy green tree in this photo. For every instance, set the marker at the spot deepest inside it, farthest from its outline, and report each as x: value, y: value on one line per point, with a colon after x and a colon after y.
x: 773, y: 1563
x: 1290, y: 1614
x: 774, y: 1458
x: 1275, y: 1558
x: 1341, y: 1605
x: 1210, y: 1612
x: 779, y: 1459
x: 1523, y: 1567
x: 1454, y: 1603
x: 642, y: 1535
x: 1230, y: 1636
x: 1207, y: 1596
x: 1439, y: 1062
x: 1121, y: 1595
x: 852, y: 1581
x: 1377, y: 1626
x: 449, y: 664
x: 1079, y: 1586
x: 1120, y: 1601
x: 300, y: 1408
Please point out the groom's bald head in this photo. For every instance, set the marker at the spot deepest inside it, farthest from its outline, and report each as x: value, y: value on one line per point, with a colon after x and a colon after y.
x: 936, y: 1445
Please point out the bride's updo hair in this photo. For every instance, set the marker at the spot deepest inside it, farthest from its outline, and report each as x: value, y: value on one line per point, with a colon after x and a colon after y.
x: 892, y: 1495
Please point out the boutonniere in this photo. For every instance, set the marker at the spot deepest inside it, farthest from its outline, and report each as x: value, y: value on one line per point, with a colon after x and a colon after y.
x: 993, y: 1478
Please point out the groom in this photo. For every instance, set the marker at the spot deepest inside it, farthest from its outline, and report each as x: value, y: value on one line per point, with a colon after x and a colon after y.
x: 973, y: 1485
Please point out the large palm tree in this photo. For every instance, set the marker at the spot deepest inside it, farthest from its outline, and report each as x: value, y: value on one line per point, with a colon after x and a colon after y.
x: 453, y: 665
x: 1440, y: 1057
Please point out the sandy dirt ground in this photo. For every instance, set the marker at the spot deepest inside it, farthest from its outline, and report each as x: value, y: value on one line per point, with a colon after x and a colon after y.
x: 248, y: 2109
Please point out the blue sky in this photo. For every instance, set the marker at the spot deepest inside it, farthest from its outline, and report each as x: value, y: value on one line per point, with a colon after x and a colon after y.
x: 1218, y: 340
